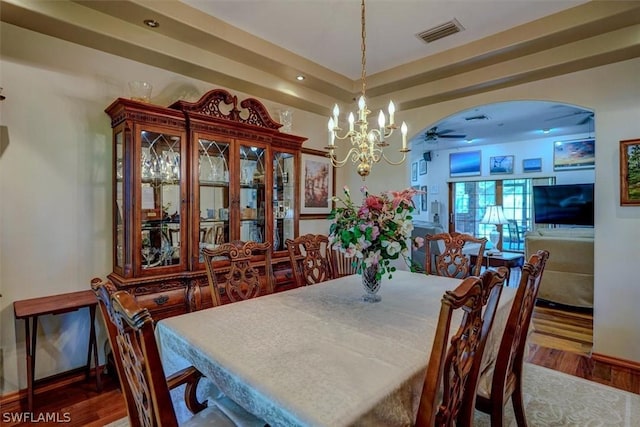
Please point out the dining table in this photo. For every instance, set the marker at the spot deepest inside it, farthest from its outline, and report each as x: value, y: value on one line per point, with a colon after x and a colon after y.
x: 320, y: 355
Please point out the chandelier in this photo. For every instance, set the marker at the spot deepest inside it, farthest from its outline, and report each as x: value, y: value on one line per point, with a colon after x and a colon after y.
x: 367, y: 145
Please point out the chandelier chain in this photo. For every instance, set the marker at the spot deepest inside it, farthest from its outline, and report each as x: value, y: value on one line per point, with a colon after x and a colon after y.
x: 367, y: 144
x: 364, y: 49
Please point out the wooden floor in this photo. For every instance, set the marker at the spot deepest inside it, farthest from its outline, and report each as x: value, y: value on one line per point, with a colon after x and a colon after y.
x: 561, y: 341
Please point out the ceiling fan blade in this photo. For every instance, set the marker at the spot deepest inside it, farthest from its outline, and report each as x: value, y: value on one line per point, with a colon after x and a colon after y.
x: 452, y: 136
x: 575, y: 113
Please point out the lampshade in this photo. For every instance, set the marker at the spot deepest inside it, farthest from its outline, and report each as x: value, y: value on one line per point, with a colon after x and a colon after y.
x: 494, y: 215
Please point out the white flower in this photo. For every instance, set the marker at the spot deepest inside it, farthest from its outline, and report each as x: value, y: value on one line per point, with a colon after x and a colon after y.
x: 392, y: 247
x: 406, y: 227
x: 363, y: 243
x: 372, y: 258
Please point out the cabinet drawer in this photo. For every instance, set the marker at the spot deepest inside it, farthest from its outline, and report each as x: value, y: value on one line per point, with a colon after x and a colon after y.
x: 164, y: 303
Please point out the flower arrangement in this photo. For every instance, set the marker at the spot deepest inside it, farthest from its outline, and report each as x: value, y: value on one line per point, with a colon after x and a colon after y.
x: 376, y: 232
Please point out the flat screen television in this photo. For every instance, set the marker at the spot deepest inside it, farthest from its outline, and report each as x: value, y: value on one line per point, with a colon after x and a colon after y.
x: 570, y: 204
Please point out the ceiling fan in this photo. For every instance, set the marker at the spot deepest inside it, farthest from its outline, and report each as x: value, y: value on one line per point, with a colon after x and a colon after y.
x: 584, y: 116
x: 433, y: 134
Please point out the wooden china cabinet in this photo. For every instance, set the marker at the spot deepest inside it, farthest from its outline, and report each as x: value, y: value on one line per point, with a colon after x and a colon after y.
x: 195, y: 175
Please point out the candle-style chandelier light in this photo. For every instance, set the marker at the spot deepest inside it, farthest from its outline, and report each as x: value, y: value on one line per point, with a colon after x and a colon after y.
x: 367, y: 144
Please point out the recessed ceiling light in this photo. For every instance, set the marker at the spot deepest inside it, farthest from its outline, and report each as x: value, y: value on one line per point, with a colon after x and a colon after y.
x: 151, y: 23
x: 469, y: 141
x: 300, y: 77
x: 546, y: 130
x: 558, y: 143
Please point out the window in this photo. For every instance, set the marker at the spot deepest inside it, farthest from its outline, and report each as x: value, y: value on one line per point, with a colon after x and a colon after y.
x: 470, y: 199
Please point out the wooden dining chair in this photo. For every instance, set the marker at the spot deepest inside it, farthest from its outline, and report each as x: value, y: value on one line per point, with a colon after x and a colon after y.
x: 103, y: 291
x: 454, y: 259
x: 344, y: 266
x: 449, y: 389
x: 504, y: 379
x: 311, y: 259
x: 145, y: 388
x: 239, y: 270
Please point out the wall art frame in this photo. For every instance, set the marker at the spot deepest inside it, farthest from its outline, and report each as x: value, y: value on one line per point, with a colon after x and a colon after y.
x: 423, y: 198
x: 532, y: 165
x: 317, y: 184
x: 416, y: 200
x: 465, y: 163
x: 414, y: 171
x: 499, y: 165
x: 630, y: 172
x: 422, y: 167
x: 571, y: 155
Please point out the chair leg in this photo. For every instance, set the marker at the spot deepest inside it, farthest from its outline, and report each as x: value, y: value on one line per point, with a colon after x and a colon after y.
x: 518, y: 406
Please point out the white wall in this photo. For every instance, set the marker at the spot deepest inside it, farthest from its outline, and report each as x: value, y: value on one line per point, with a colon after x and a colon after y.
x: 438, y: 168
x: 55, y: 189
x: 55, y: 183
x: 613, y: 93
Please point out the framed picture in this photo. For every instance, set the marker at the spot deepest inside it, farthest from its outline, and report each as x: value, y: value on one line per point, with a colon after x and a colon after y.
x: 574, y: 155
x: 416, y: 200
x: 422, y: 166
x: 532, y: 165
x: 466, y: 163
x: 414, y: 171
x: 316, y: 184
x: 423, y: 198
x: 630, y: 172
x: 500, y: 165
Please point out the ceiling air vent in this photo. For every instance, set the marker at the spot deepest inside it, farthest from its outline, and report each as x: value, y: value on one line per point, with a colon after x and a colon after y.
x: 441, y: 31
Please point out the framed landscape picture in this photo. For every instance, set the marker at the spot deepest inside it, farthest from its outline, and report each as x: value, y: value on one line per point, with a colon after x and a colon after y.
x: 532, y: 165
x: 630, y: 172
x: 500, y: 164
x: 574, y: 155
x: 414, y: 172
x: 316, y: 184
x: 466, y: 163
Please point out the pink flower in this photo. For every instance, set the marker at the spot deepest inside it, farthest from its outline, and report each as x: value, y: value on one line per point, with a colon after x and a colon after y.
x: 374, y: 202
x: 404, y: 197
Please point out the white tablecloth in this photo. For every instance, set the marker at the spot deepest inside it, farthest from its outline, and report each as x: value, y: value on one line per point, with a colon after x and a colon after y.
x: 319, y: 355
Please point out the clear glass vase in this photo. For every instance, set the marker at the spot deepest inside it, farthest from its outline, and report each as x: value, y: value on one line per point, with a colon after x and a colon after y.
x: 371, y: 284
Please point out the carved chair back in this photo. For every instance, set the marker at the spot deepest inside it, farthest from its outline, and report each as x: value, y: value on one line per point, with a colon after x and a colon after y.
x: 103, y: 291
x: 451, y: 377
x: 493, y: 281
x: 246, y: 273
x: 311, y: 259
x: 141, y: 361
x: 453, y: 261
x: 506, y: 380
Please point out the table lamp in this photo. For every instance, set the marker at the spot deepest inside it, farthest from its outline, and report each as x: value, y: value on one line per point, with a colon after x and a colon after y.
x: 494, y: 215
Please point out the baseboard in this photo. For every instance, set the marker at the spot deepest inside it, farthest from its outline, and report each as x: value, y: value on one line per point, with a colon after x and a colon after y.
x: 16, y: 401
x: 614, y: 361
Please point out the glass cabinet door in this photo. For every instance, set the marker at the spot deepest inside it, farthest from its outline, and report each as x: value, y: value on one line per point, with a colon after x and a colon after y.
x: 213, y: 178
x: 160, y: 196
x: 119, y: 232
x: 252, y: 197
x: 283, y: 198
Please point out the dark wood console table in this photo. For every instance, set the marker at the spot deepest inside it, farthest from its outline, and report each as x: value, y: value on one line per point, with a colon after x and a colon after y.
x: 502, y: 259
x: 30, y: 309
